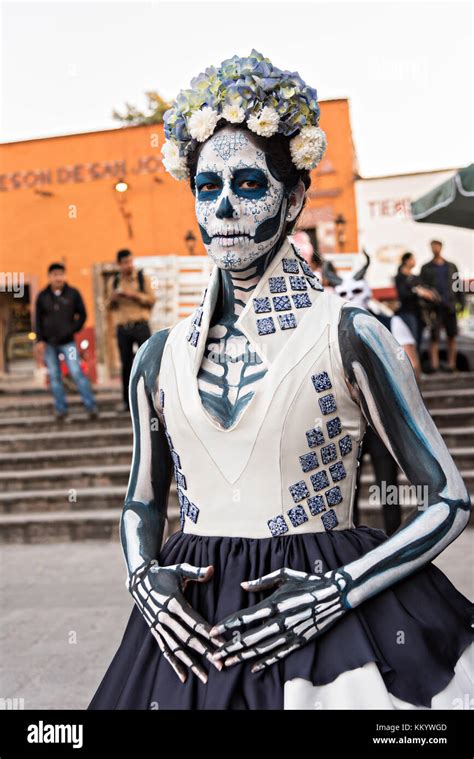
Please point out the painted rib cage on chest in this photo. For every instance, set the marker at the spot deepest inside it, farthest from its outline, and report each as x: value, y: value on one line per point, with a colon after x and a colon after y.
x: 230, y: 368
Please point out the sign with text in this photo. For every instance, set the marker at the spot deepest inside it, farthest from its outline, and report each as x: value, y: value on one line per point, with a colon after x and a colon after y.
x: 79, y: 173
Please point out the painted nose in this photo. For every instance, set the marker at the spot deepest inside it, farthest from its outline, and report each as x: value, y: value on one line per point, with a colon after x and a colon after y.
x: 225, y: 210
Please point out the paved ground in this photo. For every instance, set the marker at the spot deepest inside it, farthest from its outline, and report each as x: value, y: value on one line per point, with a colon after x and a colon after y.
x: 64, y: 609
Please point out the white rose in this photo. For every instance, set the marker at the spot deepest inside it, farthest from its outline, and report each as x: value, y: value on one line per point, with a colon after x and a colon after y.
x: 307, y: 148
x: 313, y: 134
x: 201, y: 124
x: 172, y: 161
x: 266, y: 123
x: 233, y: 113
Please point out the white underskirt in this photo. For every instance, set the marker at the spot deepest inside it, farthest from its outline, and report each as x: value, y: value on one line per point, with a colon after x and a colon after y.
x: 364, y: 688
x: 401, y: 331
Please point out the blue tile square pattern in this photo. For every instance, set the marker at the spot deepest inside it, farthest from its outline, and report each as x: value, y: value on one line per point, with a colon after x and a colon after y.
x: 330, y: 520
x: 281, y: 303
x: 197, y: 318
x: 193, y: 336
x: 192, y: 512
x: 181, y: 480
x: 309, y: 461
x: 319, y: 480
x: 306, y: 269
x: 333, y: 496
x: 266, y: 326
x: 176, y: 459
x: 321, y: 382
x: 315, y: 437
x: 301, y: 300
x: 334, y: 427
x: 277, y: 525
x: 261, y: 305
x: 290, y: 266
x: 299, y: 491
x: 287, y: 321
x: 328, y: 453
x: 327, y: 404
x: 345, y: 445
x: 337, y: 471
x: 297, y: 516
x: 298, y: 283
x: 277, y: 284
x: 316, y: 504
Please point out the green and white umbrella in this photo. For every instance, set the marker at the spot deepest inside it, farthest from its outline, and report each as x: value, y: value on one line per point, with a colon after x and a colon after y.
x: 450, y: 203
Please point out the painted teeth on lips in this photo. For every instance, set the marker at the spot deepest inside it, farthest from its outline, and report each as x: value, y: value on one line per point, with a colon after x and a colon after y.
x: 232, y: 234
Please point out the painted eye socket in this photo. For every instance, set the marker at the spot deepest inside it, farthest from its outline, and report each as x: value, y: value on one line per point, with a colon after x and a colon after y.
x: 358, y: 290
x: 250, y: 184
x: 208, y: 187
x: 207, y: 183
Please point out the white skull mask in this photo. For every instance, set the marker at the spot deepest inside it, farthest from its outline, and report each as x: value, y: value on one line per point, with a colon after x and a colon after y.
x: 240, y: 205
x: 357, y: 291
x: 352, y: 286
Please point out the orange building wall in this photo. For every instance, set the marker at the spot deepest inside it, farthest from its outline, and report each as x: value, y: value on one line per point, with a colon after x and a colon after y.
x: 80, y: 221
x: 332, y: 183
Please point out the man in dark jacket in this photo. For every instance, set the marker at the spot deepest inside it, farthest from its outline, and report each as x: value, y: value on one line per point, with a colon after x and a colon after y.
x: 60, y: 313
x: 443, y: 276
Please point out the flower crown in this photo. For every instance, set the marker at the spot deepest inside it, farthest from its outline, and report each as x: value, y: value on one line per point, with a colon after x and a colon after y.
x: 249, y: 90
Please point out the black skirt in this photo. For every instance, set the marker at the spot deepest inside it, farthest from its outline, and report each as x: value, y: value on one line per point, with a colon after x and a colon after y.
x: 434, y: 617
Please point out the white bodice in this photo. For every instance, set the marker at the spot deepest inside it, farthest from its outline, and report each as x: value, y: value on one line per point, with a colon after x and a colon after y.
x: 288, y: 465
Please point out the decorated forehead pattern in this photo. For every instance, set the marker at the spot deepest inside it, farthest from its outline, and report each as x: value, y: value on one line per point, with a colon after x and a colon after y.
x: 227, y: 145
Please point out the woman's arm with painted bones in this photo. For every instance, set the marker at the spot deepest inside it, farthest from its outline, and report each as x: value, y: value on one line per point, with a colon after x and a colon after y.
x: 181, y: 633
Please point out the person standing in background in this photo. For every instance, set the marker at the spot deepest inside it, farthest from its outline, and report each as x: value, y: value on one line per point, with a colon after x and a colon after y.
x: 407, y: 323
x: 439, y: 274
x: 60, y: 313
x: 408, y: 288
x: 130, y: 297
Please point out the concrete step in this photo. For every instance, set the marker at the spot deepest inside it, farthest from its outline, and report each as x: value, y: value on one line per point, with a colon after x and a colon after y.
x: 68, y: 498
x: 459, y: 417
x: 62, y: 498
x: 71, y: 477
x: 69, y: 457
x: 457, y: 437
x: 445, y: 382
x: 42, y: 405
x: 449, y: 398
x: 75, y: 421
x: 463, y: 457
x: 64, y: 526
x: 63, y: 438
x: 60, y: 526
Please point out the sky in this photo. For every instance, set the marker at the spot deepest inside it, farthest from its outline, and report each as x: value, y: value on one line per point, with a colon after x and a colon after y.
x: 407, y: 67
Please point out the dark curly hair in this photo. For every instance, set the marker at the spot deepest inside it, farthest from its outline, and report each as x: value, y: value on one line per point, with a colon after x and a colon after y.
x: 278, y: 156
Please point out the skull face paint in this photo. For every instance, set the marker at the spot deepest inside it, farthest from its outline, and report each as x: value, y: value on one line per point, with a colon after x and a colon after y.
x: 240, y: 205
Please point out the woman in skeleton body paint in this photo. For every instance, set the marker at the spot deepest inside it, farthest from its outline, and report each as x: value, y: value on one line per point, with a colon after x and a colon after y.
x: 268, y: 597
